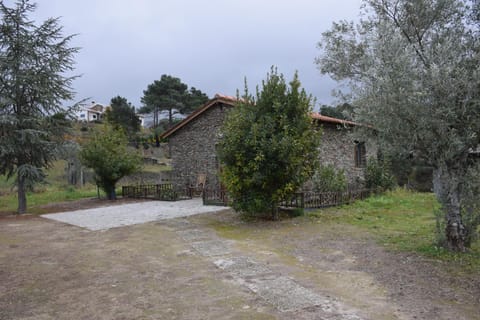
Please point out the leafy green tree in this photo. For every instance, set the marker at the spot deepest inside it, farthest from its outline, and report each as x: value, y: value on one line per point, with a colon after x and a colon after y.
x: 34, y: 60
x: 269, y: 146
x: 412, y: 71
x: 110, y: 158
x: 342, y: 111
x: 122, y: 115
x: 170, y: 93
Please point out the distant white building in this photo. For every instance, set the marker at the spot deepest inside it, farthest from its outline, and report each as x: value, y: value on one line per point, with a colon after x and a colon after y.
x: 91, y: 112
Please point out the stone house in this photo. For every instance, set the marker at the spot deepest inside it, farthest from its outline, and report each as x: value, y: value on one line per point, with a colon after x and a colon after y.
x: 192, y: 143
x: 340, y: 148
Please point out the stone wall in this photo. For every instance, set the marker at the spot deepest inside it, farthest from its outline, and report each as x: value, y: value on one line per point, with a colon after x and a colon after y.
x: 193, y: 148
x: 338, y: 149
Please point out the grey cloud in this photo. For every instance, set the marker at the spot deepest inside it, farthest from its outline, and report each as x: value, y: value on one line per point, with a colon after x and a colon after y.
x: 211, y: 45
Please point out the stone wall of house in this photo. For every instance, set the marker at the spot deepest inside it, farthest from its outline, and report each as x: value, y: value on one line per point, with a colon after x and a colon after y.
x: 338, y: 149
x: 192, y: 148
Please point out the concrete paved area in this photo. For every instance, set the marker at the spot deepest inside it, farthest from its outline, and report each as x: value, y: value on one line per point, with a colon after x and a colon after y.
x: 129, y: 214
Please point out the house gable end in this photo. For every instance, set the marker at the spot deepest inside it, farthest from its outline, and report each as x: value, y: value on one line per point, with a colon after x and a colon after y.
x: 221, y: 102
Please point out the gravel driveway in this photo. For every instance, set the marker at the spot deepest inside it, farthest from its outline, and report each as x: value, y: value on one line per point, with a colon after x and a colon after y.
x: 128, y: 214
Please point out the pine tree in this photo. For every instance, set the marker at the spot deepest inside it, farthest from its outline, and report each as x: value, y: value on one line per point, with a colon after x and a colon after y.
x: 34, y: 61
x: 122, y: 114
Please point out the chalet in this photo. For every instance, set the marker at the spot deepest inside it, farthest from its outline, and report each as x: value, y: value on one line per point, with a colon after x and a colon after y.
x: 193, y: 143
x: 91, y: 112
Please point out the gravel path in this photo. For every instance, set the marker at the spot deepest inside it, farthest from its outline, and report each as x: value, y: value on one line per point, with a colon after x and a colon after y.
x: 128, y: 214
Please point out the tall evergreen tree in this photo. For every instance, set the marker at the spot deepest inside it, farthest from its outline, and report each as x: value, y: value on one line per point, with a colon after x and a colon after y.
x: 171, y: 93
x: 194, y: 99
x: 122, y: 114
x: 34, y: 60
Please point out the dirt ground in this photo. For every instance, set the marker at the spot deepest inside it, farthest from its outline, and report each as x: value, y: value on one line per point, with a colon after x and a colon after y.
x: 50, y: 270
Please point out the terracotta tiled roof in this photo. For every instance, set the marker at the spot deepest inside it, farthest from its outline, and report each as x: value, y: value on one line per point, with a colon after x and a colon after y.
x: 322, y: 118
x: 225, y: 97
x: 229, y: 100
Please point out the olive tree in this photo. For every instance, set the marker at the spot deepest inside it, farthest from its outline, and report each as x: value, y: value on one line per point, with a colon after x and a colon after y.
x: 412, y: 70
x: 34, y: 60
x: 269, y: 146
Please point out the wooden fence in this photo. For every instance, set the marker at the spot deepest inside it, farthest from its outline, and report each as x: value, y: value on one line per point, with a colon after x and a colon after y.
x: 305, y: 199
x: 165, y: 192
x: 310, y: 199
x: 215, y: 197
x: 220, y: 197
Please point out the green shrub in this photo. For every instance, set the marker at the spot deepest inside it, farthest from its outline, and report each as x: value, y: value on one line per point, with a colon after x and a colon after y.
x: 327, y: 179
x: 268, y: 147
x: 378, y: 175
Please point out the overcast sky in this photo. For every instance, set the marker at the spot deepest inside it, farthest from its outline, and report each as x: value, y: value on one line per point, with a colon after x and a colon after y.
x: 211, y: 45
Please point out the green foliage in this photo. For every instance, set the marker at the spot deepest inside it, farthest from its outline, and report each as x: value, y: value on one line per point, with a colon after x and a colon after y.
x: 269, y: 146
x: 33, y: 86
x: 107, y: 154
x: 412, y: 72
x: 170, y: 93
x: 194, y: 99
x: 121, y: 114
x: 342, y: 111
x: 328, y: 179
x: 378, y: 175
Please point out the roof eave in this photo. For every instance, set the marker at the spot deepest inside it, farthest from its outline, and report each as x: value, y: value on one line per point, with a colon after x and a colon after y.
x: 195, y: 114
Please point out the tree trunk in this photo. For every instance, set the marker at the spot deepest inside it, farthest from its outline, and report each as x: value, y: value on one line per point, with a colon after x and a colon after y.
x: 170, y: 118
x: 274, y: 211
x: 110, y: 191
x: 446, y: 185
x: 22, y: 195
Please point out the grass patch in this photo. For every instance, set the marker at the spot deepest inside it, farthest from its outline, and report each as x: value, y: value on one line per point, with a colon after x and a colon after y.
x: 47, y: 195
x: 54, y: 190
x: 400, y: 220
